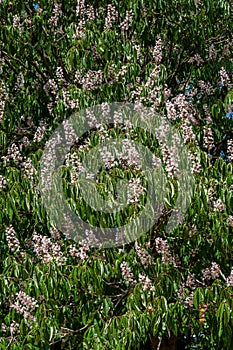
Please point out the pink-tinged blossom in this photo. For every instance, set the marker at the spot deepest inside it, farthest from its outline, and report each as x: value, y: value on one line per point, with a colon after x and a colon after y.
x: 13, y: 153
x: 219, y: 205
x: 29, y: 169
x: 111, y: 17
x: 230, y: 220
x: 230, y: 150
x: 163, y: 248
x: 39, y: 133
x: 25, y: 305
x: 212, y: 52
x: 224, y: 77
x: 157, y: 51
x: 195, y: 163
x: 143, y: 254
x: 13, y: 242
x: 80, y: 29
x: 92, y: 79
x: 126, y: 273
x: 146, y: 283
x: 213, y: 272
x: 80, y: 253
x: 90, y: 13
x: 80, y: 8
x: 125, y: 24
x: 57, y: 13
x: 3, y: 99
x: 206, y: 88
x: 135, y: 190
x: 229, y: 279
x: 208, y: 138
x: 3, y: 182
x: 46, y: 250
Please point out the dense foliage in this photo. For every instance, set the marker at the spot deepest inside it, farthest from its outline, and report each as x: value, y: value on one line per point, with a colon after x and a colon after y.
x: 167, y: 289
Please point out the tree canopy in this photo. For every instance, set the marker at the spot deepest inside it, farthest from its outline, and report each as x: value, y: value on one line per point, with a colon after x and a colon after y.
x: 167, y: 289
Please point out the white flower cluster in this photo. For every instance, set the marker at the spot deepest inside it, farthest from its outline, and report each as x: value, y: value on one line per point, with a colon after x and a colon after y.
x: 208, y: 138
x: 59, y: 73
x: 51, y: 86
x: 157, y: 52
x: 156, y: 162
x: 208, y: 115
x: 178, y: 107
x: 134, y: 190
x: 25, y: 305
x: 13, y: 242
x: 196, y: 58
x: 39, y: 133
x: 187, y: 131
x: 13, y: 328
x: 170, y: 159
x: 3, y: 182
x: 190, y: 281
x: 3, y: 98
x: 146, y: 283
x: 29, y: 170
x: 73, y: 162
x: 125, y: 24
x: 68, y: 101
x: 127, y: 156
x: 19, y: 82
x: 79, y: 29
x: 80, y: 253
x: 219, y: 205
x: 230, y: 220
x: 57, y: 13
x: 126, y: 273
x: 211, y: 195
x: 224, y: 77
x: 212, y: 52
x: 195, y: 163
x: 229, y: 279
x: 46, y: 250
x: 111, y: 17
x: 108, y: 158
x: 17, y: 23
x: 130, y: 154
x: 143, y: 254
x: 90, y: 13
x: 206, y: 88
x: 90, y: 80
x: 212, y: 272
x: 162, y: 248
x: 230, y: 150
x: 13, y: 153
x: 80, y: 8
x: 90, y: 240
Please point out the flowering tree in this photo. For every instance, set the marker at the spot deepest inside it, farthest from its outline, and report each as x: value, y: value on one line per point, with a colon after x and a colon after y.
x: 165, y: 290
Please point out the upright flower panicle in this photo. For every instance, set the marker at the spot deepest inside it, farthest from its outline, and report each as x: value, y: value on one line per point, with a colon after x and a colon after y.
x: 13, y: 242
x: 126, y: 273
x: 25, y: 305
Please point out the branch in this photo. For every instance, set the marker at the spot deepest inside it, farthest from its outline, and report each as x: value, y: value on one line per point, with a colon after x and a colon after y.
x: 35, y: 65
